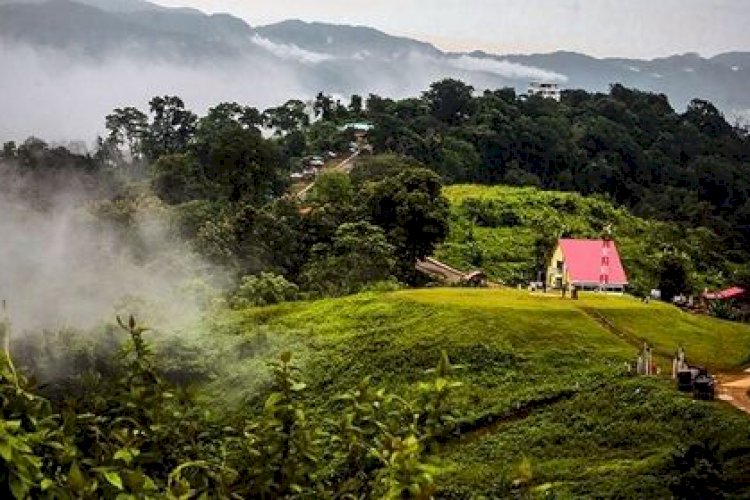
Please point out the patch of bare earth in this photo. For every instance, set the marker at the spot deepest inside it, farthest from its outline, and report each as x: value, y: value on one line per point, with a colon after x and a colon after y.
x: 734, y: 390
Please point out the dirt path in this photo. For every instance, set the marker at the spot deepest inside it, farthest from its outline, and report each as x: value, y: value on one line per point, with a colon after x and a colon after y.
x: 631, y: 339
x: 469, y: 431
x: 734, y: 390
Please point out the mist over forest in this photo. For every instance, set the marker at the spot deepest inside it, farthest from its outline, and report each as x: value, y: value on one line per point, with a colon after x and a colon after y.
x: 72, y: 264
x: 98, y: 57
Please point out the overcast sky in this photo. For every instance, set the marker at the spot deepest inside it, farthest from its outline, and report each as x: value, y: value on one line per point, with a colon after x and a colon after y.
x: 630, y: 28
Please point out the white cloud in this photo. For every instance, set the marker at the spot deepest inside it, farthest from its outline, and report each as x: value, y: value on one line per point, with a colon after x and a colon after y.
x: 291, y: 51
x: 505, y: 68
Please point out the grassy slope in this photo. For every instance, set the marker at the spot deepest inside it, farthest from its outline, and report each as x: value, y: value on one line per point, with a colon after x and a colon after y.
x: 506, y: 251
x: 608, y: 434
x: 720, y: 345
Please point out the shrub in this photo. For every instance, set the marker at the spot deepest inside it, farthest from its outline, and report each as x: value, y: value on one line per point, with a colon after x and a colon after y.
x: 697, y: 472
x: 723, y: 310
x: 262, y: 290
x: 490, y: 213
x: 134, y: 435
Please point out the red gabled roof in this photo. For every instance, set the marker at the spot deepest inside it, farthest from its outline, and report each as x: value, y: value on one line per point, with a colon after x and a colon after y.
x: 729, y: 293
x: 583, y: 260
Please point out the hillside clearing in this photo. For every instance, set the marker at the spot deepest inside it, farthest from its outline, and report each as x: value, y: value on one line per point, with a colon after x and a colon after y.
x: 509, y: 231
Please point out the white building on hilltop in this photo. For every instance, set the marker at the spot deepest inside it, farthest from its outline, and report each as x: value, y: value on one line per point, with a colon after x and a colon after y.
x: 546, y: 90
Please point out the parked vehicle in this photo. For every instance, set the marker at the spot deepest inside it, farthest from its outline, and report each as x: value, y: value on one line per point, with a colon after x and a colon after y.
x: 704, y: 386
x: 697, y: 380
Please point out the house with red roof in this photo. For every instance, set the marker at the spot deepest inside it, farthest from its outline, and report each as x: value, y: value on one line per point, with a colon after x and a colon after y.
x: 587, y: 265
x: 733, y: 293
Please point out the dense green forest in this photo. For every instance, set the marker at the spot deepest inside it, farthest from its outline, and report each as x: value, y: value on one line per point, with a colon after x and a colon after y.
x: 226, y: 172
x: 630, y: 146
x: 270, y: 394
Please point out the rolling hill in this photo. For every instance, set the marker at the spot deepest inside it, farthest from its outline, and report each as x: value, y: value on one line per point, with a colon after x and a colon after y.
x: 545, y: 406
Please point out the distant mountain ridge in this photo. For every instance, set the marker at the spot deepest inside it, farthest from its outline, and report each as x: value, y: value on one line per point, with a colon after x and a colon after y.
x: 340, y: 39
x: 338, y: 59
x: 65, y: 24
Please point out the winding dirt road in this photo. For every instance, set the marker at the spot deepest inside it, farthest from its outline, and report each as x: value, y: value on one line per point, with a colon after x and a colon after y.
x: 734, y: 390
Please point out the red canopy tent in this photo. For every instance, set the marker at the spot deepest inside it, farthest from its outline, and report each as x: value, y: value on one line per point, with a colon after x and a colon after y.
x: 734, y: 292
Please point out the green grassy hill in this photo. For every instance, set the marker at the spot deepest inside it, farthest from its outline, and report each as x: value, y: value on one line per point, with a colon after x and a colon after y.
x: 508, y: 231
x: 545, y: 402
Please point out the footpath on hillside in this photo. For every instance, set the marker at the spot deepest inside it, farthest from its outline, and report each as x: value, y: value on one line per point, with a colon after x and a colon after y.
x: 732, y: 388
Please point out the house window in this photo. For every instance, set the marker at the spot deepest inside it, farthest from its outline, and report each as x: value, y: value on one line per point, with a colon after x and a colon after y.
x: 605, y: 261
x: 559, y: 266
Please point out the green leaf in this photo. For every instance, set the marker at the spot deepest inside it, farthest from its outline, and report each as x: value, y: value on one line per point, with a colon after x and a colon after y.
x: 114, y: 479
x: 272, y: 400
x: 12, y: 425
x: 441, y: 383
x: 18, y: 487
x: 126, y: 455
x: 76, y: 480
x: 6, y: 451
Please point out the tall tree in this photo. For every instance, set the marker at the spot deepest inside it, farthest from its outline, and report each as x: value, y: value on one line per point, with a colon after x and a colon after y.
x: 358, y: 254
x: 355, y: 104
x: 171, y: 129
x: 412, y: 211
x: 244, y: 166
x: 674, y: 277
x: 127, y: 126
x: 323, y: 107
x: 450, y: 101
x: 289, y: 117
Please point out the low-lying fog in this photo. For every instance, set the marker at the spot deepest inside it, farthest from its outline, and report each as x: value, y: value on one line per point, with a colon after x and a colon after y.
x: 62, y: 267
x: 59, y: 96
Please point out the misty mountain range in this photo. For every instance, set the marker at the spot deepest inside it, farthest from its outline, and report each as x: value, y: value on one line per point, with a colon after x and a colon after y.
x: 71, y: 62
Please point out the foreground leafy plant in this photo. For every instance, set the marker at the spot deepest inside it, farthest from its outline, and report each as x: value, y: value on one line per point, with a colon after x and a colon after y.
x: 133, y: 435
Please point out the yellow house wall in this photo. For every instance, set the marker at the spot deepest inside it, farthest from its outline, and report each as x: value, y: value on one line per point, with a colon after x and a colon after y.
x: 552, y: 274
